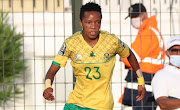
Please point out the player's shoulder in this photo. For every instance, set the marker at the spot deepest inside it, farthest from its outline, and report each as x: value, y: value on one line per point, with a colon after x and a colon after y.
x: 74, y: 37
x: 108, y: 35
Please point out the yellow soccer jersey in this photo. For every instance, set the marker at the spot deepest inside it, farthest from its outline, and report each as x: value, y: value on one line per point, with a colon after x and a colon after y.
x: 92, y: 67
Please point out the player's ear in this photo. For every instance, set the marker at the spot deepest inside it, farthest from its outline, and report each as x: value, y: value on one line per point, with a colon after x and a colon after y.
x: 80, y: 22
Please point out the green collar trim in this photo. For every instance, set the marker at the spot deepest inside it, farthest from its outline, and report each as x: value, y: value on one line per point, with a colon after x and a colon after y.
x: 97, y: 63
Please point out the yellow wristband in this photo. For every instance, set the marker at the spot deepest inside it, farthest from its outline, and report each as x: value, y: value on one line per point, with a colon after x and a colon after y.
x: 140, y: 81
x: 47, y: 86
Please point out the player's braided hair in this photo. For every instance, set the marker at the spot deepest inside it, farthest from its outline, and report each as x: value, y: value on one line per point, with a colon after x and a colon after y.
x: 90, y: 6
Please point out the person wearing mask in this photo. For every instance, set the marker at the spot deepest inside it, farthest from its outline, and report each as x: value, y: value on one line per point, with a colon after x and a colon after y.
x: 149, y: 50
x: 165, y: 83
x: 93, y: 55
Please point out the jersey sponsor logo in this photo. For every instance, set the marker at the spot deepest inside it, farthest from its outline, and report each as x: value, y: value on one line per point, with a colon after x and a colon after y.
x: 63, y: 49
x: 78, y: 57
x: 122, y: 43
x: 106, y: 56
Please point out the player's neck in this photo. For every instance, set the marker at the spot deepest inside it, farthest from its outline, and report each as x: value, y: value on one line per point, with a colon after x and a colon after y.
x: 91, y: 42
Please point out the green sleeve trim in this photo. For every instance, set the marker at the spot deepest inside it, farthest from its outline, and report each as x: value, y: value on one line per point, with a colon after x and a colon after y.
x: 129, y: 52
x: 56, y: 63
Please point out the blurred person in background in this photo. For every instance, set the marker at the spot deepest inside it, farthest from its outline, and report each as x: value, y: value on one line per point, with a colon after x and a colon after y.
x: 93, y: 55
x: 165, y: 83
x: 149, y: 50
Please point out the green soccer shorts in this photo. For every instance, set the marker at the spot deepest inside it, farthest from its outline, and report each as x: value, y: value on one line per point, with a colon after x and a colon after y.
x: 75, y: 107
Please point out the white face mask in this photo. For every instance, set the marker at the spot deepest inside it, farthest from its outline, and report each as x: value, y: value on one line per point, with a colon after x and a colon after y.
x: 136, y: 22
x: 175, y: 60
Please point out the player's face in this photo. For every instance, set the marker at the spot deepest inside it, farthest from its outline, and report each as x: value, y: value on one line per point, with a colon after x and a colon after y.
x: 91, y: 24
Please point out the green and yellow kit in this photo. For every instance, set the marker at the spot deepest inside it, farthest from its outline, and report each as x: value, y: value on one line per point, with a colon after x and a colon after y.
x: 92, y: 67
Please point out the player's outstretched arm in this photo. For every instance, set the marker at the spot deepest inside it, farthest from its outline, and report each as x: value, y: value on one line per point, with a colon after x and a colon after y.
x: 135, y: 66
x: 48, y: 92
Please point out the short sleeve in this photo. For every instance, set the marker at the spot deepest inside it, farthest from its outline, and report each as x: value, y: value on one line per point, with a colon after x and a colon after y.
x: 123, y: 49
x: 159, y: 85
x: 62, y: 56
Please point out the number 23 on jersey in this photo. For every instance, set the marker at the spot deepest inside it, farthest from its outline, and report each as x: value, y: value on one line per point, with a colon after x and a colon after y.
x: 89, y: 72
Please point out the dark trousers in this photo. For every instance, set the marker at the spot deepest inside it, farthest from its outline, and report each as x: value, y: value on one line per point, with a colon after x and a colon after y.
x: 129, y: 99
x: 146, y: 104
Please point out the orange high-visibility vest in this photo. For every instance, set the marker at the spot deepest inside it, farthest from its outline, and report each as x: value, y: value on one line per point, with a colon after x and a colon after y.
x: 148, y: 47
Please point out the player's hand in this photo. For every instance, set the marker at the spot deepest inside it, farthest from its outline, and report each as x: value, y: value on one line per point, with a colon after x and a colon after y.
x: 48, y: 94
x: 141, y: 92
